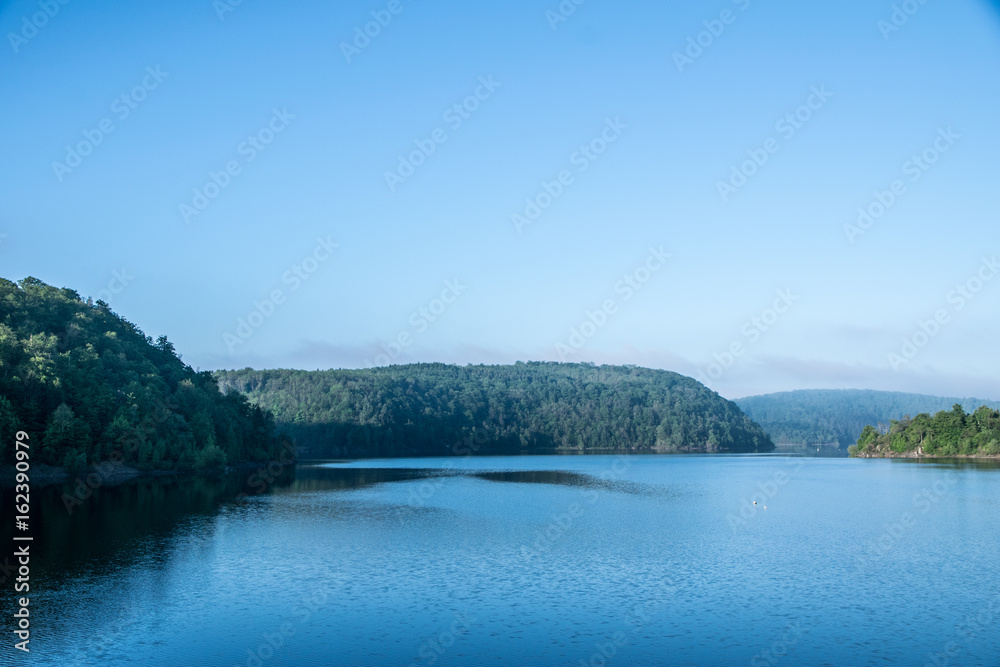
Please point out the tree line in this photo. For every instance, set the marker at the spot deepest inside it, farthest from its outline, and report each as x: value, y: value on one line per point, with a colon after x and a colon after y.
x: 948, y: 433
x: 439, y: 409
x: 88, y: 386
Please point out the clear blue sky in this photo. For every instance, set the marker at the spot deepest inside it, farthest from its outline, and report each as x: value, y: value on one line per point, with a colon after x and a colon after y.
x: 673, y: 132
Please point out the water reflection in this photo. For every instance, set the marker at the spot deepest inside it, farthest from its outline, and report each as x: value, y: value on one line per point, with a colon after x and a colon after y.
x: 316, y: 478
x: 118, y: 515
x: 104, y: 528
x: 954, y: 462
x: 77, y: 530
x: 536, y: 477
x: 192, y: 570
x: 610, y: 481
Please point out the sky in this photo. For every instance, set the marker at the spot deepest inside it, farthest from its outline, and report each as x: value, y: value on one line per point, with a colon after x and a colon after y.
x: 766, y: 196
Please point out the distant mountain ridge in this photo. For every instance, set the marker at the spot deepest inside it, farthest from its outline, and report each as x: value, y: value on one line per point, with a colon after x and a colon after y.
x: 825, y: 416
x: 440, y: 409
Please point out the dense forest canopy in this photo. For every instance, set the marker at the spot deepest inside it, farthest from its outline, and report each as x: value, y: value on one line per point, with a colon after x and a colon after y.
x: 440, y: 409
x: 825, y: 416
x: 947, y: 433
x: 89, y: 387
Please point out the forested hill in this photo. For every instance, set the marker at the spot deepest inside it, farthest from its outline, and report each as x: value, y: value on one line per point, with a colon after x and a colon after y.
x: 438, y: 409
x: 89, y: 387
x: 947, y: 433
x: 823, y: 416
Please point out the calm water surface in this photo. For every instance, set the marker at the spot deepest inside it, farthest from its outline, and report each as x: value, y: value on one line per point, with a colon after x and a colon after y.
x: 544, y: 560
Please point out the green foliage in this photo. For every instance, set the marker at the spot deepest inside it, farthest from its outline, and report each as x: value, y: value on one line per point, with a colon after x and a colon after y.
x: 210, y: 458
x: 89, y: 386
x: 825, y: 416
x: 899, y: 444
x: 948, y: 433
x: 868, y: 436
x: 74, y: 461
x: 8, y: 428
x: 441, y: 409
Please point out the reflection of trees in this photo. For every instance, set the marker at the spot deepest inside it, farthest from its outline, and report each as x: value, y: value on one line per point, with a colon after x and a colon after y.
x: 119, y: 520
x: 119, y: 516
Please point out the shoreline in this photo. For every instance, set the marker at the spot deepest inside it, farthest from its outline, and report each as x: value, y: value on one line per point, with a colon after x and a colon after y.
x: 46, y: 475
x: 914, y: 455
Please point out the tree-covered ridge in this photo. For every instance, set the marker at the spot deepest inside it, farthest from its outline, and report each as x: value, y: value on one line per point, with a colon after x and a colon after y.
x: 824, y: 416
x: 89, y: 386
x: 948, y: 433
x: 443, y: 409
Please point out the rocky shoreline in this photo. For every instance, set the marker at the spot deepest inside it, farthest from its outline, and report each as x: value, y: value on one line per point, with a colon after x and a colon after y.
x: 920, y: 455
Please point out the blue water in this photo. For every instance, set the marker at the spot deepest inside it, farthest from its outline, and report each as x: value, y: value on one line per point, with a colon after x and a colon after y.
x: 543, y: 560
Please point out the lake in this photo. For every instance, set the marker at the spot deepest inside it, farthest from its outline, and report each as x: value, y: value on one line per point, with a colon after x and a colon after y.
x: 524, y: 560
